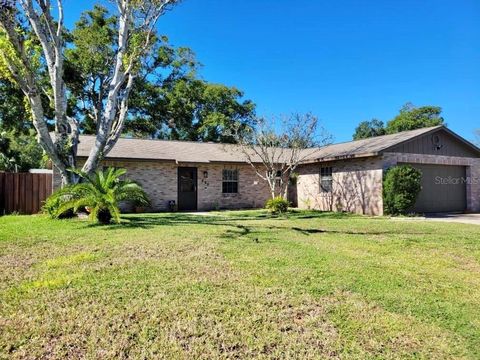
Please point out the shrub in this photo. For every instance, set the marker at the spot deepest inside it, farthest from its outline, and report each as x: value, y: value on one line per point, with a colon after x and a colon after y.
x: 401, y: 187
x: 54, y: 201
x: 277, y: 205
x: 100, y: 193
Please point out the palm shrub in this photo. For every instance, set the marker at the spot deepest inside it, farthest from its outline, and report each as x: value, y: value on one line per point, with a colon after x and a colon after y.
x: 401, y: 187
x: 99, y: 193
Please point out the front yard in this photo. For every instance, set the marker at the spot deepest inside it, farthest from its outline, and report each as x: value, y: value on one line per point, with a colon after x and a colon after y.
x: 239, y: 284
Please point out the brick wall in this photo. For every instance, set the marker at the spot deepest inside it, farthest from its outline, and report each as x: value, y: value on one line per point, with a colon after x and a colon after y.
x: 159, y: 180
x: 357, y: 183
x: 356, y: 188
x: 253, y: 192
x: 472, y: 165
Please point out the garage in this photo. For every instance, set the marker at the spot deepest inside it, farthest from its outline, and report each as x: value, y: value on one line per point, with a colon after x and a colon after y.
x: 444, y: 189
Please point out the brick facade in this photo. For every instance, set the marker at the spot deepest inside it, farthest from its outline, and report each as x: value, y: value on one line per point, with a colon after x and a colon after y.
x: 357, y: 183
x: 356, y: 187
x: 159, y: 180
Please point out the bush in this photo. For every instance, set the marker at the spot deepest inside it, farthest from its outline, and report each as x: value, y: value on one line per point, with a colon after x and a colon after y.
x: 100, y: 194
x: 277, y: 205
x: 401, y: 187
x: 55, y: 201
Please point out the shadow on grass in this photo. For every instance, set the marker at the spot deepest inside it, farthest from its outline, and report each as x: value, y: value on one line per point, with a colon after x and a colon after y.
x: 145, y: 221
x: 231, y: 224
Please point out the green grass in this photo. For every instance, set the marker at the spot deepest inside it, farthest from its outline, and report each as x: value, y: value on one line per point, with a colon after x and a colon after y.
x: 239, y: 285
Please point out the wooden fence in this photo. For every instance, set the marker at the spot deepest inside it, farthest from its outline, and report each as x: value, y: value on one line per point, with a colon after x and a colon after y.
x: 24, y: 192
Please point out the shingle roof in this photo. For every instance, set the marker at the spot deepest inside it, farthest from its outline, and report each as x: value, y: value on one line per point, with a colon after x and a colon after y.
x: 165, y: 150
x: 187, y: 151
x: 368, y: 147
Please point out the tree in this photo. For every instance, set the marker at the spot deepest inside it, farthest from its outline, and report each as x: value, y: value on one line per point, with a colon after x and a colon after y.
x: 167, y: 100
x: 36, y: 46
x: 20, y: 152
x: 411, y: 118
x: 368, y: 129
x: 189, y: 109
x: 275, y: 149
x: 12, y: 109
x: 477, y: 135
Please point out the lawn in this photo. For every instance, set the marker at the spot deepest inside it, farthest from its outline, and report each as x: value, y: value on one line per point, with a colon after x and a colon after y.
x: 239, y: 285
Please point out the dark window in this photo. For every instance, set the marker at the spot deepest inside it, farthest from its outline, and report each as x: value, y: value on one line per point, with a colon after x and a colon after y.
x: 230, y: 181
x: 326, y: 179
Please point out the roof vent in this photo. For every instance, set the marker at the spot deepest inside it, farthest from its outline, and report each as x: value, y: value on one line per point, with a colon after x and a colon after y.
x: 437, y: 142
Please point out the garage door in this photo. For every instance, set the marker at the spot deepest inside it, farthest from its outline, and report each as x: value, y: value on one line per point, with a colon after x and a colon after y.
x: 443, y: 189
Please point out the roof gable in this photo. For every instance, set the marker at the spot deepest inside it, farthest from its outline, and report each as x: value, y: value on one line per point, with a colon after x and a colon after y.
x: 441, y: 141
x: 368, y: 147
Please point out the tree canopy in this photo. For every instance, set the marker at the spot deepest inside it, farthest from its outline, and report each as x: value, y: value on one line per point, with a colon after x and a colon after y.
x: 12, y: 108
x: 409, y: 118
x: 367, y: 129
x: 412, y: 118
x: 33, y: 55
x: 168, y: 99
x: 20, y: 152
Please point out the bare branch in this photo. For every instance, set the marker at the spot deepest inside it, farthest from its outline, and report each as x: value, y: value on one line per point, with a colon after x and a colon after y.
x: 275, y: 154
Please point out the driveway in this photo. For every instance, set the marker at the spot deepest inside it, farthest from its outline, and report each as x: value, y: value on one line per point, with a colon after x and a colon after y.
x: 460, y: 218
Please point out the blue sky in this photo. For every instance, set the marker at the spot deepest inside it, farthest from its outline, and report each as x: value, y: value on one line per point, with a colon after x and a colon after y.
x: 343, y: 60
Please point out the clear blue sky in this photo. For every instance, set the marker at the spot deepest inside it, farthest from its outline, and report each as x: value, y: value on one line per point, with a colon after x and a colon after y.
x: 344, y: 60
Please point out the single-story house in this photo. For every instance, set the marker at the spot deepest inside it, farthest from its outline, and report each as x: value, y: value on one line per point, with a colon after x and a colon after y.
x: 339, y: 177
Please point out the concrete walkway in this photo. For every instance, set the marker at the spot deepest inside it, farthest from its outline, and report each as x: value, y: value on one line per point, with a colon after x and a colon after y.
x: 459, y: 218
x: 443, y: 217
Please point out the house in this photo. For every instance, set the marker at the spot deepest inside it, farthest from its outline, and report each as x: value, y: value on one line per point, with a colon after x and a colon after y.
x: 339, y: 177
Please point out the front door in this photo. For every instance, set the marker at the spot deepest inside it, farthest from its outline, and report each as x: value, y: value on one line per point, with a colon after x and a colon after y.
x: 187, y: 188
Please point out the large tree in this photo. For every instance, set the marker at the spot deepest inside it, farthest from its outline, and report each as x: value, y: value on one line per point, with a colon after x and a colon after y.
x: 32, y: 44
x: 412, y: 117
x: 409, y: 118
x: 168, y: 100
x: 368, y: 129
x: 189, y: 109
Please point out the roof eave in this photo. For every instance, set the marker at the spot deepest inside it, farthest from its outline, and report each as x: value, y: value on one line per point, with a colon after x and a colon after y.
x: 108, y: 158
x: 340, y: 158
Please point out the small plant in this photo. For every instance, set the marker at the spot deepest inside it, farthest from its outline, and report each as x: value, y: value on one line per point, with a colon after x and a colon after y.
x: 99, y: 193
x: 277, y: 205
x: 308, y: 203
x: 53, y: 203
x: 401, y: 187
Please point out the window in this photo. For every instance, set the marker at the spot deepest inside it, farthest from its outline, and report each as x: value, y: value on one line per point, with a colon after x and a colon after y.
x: 278, y: 178
x: 230, y: 181
x: 326, y: 179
